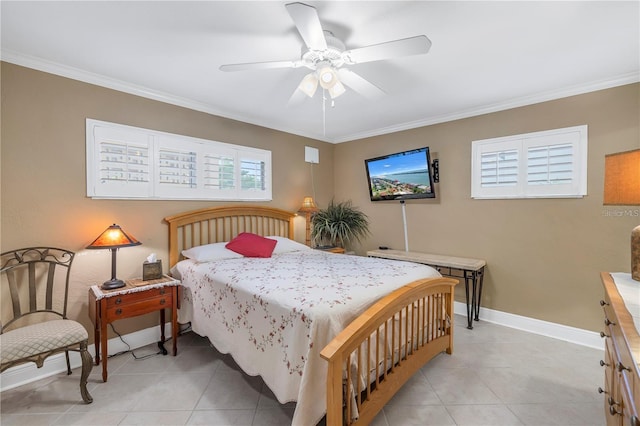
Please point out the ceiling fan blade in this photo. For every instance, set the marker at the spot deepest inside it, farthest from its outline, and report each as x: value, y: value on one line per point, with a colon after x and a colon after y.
x: 306, y: 19
x: 392, y: 49
x: 260, y: 65
x: 297, y: 98
x: 359, y: 84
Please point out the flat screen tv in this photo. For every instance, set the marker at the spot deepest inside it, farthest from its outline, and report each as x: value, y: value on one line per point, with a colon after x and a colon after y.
x: 401, y: 176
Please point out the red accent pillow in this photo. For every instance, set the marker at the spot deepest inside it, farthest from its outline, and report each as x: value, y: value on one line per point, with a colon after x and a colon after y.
x: 252, y: 245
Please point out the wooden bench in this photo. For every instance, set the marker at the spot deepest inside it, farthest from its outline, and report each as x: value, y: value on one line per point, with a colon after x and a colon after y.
x: 471, y: 270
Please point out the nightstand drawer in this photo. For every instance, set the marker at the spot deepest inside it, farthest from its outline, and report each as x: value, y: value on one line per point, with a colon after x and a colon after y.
x: 130, y: 309
x: 131, y: 298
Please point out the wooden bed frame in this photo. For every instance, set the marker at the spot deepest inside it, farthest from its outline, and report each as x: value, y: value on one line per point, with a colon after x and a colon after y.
x: 400, y: 333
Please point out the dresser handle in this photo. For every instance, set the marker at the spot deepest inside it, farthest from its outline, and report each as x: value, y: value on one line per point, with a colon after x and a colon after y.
x: 621, y: 367
x: 602, y: 303
x: 613, y: 411
x: 607, y: 322
x: 602, y: 364
x: 603, y: 335
x: 162, y: 291
x: 162, y: 301
x: 118, y: 311
x: 600, y: 390
x: 118, y: 301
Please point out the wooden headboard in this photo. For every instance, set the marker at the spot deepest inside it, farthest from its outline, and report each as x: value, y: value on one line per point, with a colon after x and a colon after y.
x: 219, y: 224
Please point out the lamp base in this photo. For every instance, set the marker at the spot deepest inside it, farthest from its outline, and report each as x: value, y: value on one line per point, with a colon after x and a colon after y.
x: 112, y: 284
x: 635, y: 253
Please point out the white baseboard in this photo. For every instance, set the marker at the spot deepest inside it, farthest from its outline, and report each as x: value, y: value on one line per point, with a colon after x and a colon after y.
x: 26, y: 373
x: 536, y: 326
x: 55, y: 364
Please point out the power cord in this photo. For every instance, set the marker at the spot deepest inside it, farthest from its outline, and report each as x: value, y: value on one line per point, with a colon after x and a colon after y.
x: 129, y: 350
x: 162, y: 350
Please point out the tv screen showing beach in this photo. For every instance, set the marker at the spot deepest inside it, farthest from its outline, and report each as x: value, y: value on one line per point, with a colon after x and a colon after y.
x: 400, y: 176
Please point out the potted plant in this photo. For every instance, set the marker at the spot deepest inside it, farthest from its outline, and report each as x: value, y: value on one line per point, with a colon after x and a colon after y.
x: 340, y: 224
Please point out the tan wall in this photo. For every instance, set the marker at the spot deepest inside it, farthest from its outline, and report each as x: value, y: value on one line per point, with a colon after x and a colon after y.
x: 43, y: 174
x: 544, y: 255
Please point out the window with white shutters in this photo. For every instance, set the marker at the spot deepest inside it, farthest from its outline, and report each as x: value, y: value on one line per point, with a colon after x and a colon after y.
x: 545, y: 164
x: 219, y: 172
x: 499, y: 168
x: 128, y: 162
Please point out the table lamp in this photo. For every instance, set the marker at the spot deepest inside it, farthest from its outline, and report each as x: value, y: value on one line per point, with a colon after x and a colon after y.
x: 113, y: 238
x: 622, y: 188
x: 308, y: 206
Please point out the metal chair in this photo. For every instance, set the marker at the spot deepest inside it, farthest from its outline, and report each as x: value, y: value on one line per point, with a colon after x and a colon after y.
x: 37, y: 281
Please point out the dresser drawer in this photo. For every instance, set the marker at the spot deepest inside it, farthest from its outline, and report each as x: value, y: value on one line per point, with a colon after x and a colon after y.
x: 132, y: 298
x: 629, y: 412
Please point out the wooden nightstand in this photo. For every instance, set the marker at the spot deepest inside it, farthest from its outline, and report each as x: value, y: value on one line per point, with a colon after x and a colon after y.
x: 338, y: 250
x: 136, y: 298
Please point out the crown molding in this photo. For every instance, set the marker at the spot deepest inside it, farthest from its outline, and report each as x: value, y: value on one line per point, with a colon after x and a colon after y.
x: 132, y: 89
x: 123, y: 86
x: 500, y: 106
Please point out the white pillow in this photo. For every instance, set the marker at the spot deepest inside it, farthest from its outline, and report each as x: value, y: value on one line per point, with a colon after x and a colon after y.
x: 209, y: 252
x: 285, y: 245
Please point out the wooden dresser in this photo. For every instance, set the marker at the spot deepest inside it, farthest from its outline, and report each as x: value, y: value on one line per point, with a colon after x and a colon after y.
x: 622, y: 349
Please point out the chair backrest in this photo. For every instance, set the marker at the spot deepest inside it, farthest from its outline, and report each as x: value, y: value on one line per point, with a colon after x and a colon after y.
x: 35, y: 281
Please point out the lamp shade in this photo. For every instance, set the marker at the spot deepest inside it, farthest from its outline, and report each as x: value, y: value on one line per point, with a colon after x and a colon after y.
x: 308, y: 205
x: 327, y: 77
x: 622, y: 179
x: 112, y: 238
x: 309, y: 85
x: 337, y: 90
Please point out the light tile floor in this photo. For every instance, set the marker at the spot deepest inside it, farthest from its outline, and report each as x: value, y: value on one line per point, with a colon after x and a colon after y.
x: 496, y: 376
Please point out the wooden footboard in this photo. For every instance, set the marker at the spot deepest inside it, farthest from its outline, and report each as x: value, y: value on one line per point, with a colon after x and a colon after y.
x: 380, y: 350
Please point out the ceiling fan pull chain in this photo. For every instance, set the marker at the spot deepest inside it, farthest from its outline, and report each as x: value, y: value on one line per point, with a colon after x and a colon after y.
x: 324, y: 113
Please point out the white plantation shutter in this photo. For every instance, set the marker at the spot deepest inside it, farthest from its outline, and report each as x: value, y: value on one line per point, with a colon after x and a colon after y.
x: 255, y: 173
x: 219, y: 172
x: 499, y: 168
x: 252, y: 174
x: 543, y: 164
x: 550, y: 165
x: 129, y: 162
x: 177, y: 168
x: 120, y: 162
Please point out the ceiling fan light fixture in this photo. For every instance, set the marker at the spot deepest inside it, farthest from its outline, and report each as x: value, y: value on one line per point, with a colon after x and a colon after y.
x: 309, y: 85
x: 327, y: 77
x: 337, y: 90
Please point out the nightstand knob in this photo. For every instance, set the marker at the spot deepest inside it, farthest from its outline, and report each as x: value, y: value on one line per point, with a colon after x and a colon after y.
x: 118, y: 301
x: 607, y: 322
x: 603, y: 335
x: 600, y: 390
x: 118, y: 311
x: 602, y: 303
x: 602, y: 364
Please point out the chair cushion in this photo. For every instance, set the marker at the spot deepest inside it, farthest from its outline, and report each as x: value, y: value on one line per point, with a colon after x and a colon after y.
x: 40, y: 338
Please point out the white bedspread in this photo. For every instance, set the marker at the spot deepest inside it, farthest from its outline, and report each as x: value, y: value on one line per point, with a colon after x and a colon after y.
x: 275, y: 315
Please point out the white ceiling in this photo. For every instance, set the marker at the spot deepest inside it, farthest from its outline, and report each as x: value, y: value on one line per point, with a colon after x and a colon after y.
x: 486, y: 56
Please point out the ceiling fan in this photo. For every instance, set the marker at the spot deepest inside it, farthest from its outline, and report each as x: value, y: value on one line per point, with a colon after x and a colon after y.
x: 327, y: 58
